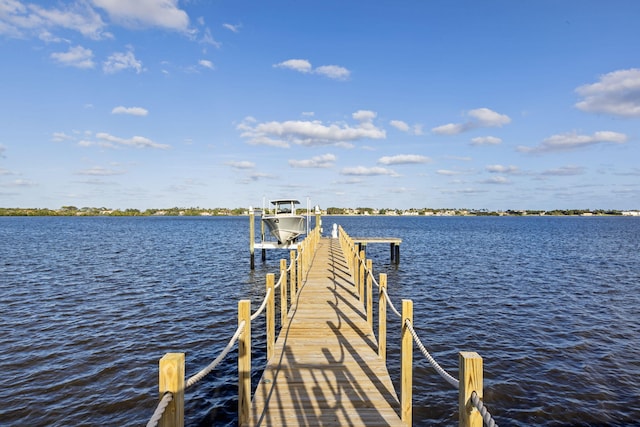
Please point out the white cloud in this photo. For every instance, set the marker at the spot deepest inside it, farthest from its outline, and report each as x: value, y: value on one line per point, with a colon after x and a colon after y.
x: 260, y: 175
x: 496, y: 180
x: 2, y: 151
x: 364, y: 115
x: 76, y: 56
x: 25, y: 20
x: 233, y: 28
x: 335, y: 72
x: 311, y: 133
x: 565, y: 171
x: 448, y: 172
x: 120, y: 61
x: 323, y: 161
x: 364, y: 171
x: 403, y: 159
x: 241, y: 165
x: 136, y: 141
x: 450, y: 129
x: 207, y: 38
x: 20, y: 183
x: 146, y: 13
x: 404, y: 127
x: 617, y: 93
x: 134, y: 111
x: 572, y: 140
x: 502, y: 169
x: 206, y: 64
x: 300, y: 65
x: 478, y: 118
x: 486, y: 140
x: 100, y: 171
x: 400, y: 125
x: 61, y: 136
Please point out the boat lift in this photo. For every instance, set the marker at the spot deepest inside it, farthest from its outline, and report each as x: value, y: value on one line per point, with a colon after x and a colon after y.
x: 264, y: 244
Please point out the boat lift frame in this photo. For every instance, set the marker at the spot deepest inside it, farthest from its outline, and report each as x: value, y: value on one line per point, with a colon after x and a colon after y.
x: 269, y: 244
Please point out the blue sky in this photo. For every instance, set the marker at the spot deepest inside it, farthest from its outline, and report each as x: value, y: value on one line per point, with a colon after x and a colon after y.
x: 387, y: 104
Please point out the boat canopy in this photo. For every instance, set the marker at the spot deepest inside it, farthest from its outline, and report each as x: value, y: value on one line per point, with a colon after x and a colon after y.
x: 282, y: 201
x: 285, y: 206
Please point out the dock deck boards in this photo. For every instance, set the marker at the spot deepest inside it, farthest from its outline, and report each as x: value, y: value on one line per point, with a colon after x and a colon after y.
x: 325, y: 369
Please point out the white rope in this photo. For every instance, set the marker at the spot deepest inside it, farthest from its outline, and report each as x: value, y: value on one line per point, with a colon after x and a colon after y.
x: 375, y: 282
x: 162, y: 405
x: 277, y: 285
x: 264, y: 304
x: 391, y: 304
x: 203, y: 373
x: 448, y: 378
x: 486, y: 416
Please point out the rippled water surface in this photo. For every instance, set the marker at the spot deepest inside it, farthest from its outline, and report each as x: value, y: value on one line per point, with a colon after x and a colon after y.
x: 89, y: 305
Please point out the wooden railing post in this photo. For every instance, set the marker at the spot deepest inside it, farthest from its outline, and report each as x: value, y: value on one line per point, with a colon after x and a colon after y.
x: 382, y: 318
x: 172, y: 380
x: 354, y: 269
x: 407, y: 364
x: 361, y: 264
x: 244, y: 362
x: 271, y: 315
x: 369, y: 273
x: 470, y: 368
x: 284, y: 307
x: 300, y: 262
x: 292, y: 273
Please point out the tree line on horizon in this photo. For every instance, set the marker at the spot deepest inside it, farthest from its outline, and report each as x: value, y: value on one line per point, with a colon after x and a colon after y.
x: 176, y: 211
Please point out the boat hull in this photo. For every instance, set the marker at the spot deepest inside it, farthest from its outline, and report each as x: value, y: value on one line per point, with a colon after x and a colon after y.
x: 285, y: 228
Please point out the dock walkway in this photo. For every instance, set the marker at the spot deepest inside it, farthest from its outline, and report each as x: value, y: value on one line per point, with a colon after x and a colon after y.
x: 325, y: 369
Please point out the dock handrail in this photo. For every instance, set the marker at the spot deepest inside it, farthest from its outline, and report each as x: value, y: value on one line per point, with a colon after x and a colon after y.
x: 170, y: 409
x: 470, y: 363
x: 472, y: 412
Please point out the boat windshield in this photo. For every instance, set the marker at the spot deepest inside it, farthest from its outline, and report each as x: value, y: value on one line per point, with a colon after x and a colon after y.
x: 284, y: 207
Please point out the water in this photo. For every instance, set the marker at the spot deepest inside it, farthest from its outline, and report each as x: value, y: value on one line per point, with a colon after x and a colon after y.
x: 89, y: 305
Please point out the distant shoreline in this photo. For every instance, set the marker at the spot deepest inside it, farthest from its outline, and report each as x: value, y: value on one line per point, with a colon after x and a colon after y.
x: 104, y: 212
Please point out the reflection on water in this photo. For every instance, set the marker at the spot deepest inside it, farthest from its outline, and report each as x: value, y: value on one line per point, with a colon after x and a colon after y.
x: 89, y: 305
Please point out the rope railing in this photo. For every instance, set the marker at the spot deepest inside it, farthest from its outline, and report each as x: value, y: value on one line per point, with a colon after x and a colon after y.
x: 362, y: 270
x: 390, y: 304
x: 259, y: 311
x: 444, y: 374
x: 162, y: 405
x: 484, y: 413
x: 175, y: 397
x: 471, y: 407
x: 210, y: 367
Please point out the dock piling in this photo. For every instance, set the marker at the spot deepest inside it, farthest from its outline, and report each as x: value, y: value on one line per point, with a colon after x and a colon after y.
x: 172, y: 381
x: 252, y: 237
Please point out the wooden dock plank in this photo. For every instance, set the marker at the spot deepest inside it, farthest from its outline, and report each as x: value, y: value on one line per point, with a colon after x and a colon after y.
x: 325, y: 369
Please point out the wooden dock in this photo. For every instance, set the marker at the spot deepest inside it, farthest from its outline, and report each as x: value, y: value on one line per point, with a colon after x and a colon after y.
x: 325, y: 369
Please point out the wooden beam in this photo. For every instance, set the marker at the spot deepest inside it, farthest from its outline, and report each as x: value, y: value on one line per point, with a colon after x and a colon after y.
x: 470, y: 367
x: 172, y: 380
x: 406, y: 394
x: 244, y: 362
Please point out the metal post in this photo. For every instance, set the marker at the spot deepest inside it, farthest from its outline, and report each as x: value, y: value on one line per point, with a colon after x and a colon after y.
x: 252, y: 236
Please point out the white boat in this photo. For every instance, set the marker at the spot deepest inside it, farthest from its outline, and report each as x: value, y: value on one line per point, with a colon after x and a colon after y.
x: 284, y: 223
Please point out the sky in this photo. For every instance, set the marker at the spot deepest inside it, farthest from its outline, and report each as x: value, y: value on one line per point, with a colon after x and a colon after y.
x: 389, y: 104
